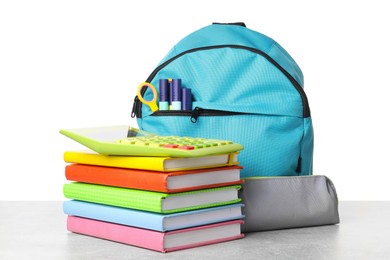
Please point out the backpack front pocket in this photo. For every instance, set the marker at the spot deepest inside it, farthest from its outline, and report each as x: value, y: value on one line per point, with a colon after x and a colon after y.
x: 271, y: 143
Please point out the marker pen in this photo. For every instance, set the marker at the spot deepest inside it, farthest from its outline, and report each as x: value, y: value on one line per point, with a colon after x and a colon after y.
x: 163, y: 94
x: 170, y: 93
x: 176, y: 94
x: 186, y: 103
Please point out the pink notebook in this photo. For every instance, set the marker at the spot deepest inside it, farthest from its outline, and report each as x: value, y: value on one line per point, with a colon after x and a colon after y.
x: 154, y: 240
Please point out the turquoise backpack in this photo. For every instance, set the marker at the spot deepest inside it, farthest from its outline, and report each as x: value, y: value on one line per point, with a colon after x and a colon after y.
x: 245, y: 88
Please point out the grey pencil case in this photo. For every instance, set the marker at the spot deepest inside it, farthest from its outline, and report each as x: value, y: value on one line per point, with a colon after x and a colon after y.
x: 288, y: 202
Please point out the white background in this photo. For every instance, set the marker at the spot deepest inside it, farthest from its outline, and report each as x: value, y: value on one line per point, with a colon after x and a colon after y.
x: 66, y: 64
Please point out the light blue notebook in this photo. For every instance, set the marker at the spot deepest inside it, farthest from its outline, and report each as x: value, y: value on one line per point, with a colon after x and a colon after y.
x: 149, y: 220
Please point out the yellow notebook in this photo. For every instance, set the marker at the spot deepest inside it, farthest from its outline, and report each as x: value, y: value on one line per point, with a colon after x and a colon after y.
x: 151, y: 163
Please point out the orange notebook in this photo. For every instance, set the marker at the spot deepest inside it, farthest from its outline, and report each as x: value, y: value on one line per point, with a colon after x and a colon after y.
x: 167, y: 182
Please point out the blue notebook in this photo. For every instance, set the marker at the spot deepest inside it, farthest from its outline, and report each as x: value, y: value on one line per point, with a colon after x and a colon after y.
x: 153, y: 221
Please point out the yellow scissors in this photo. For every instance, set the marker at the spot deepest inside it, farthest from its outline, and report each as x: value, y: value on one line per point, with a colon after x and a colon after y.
x: 151, y: 103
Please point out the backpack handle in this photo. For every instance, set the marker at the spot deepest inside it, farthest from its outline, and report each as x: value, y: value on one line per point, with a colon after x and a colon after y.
x: 237, y: 23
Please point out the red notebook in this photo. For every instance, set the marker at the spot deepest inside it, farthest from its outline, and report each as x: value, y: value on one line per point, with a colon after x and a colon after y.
x: 167, y: 182
x: 154, y: 240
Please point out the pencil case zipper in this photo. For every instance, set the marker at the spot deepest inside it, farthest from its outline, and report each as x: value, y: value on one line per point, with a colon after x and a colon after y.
x: 137, y: 105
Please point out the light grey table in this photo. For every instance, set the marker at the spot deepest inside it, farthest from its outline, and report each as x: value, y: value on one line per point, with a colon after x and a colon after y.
x: 37, y: 230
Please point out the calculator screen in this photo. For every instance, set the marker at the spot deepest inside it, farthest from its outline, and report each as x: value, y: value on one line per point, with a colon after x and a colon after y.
x: 110, y: 133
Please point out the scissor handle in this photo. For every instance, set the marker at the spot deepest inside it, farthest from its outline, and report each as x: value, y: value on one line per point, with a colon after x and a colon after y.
x: 151, y: 103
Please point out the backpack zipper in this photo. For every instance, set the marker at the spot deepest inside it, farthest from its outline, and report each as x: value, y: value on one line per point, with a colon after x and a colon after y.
x: 210, y: 112
x: 195, y: 113
x: 136, y: 111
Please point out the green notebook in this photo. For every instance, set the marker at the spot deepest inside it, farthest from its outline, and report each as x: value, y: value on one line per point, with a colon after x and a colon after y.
x: 152, y: 201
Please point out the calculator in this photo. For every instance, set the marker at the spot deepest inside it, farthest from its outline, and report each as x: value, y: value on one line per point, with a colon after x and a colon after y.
x: 130, y: 141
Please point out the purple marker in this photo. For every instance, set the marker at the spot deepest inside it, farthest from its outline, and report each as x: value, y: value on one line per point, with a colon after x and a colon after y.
x: 176, y: 94
x: 186, y: 103
x: 163, y: 94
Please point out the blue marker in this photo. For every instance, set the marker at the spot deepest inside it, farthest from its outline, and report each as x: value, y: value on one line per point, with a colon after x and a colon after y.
x: 176, y: 94
x: 163, y: 94
x: 186, y: 103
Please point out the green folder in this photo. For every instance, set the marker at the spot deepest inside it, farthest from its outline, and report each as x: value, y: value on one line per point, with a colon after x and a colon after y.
x: 152, y: 201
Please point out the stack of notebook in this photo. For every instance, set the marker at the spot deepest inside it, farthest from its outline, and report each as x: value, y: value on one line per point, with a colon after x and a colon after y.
x: 159, y: 203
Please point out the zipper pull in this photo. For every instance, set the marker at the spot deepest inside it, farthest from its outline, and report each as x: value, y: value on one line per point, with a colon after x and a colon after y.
x: 135, y: 112
x: 195, y: 114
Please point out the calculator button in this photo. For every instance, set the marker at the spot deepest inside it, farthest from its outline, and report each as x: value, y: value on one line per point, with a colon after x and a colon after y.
x: 186, y: 147
x: 171, y: 145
